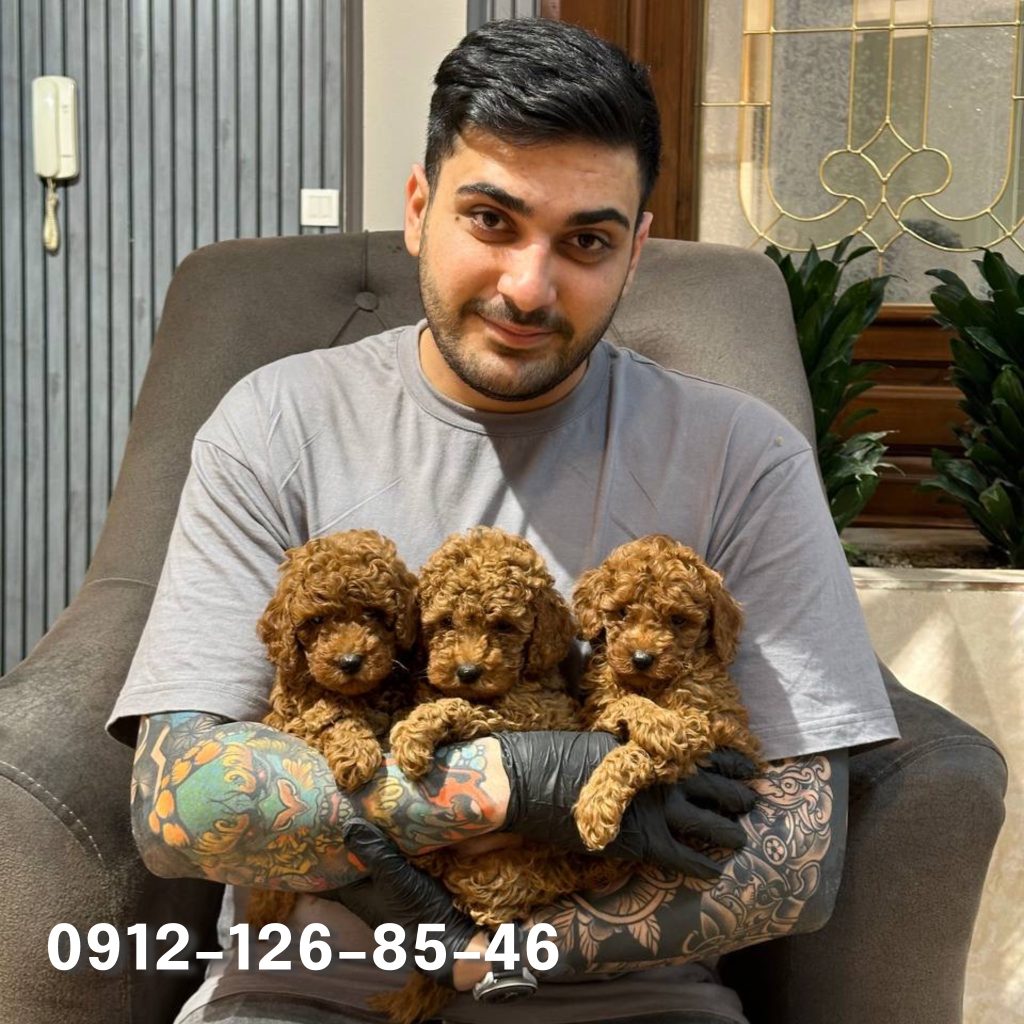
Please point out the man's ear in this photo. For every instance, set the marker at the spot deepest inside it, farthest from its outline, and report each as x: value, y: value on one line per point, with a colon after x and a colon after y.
x: 417, y: 198
x: 639, y: 238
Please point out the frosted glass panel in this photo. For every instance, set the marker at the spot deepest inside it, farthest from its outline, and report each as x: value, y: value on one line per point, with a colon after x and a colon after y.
x: 810, y: 96
x: 866, y: 117
x: 724, y: 39
x: 963, y: 121
x: 813, y: 14
x: 972, y: 12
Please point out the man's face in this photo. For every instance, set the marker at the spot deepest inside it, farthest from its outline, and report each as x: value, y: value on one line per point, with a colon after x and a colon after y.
x: 524, y: 253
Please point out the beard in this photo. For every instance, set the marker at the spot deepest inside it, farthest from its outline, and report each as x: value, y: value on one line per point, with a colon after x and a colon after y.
x: 534, y: 376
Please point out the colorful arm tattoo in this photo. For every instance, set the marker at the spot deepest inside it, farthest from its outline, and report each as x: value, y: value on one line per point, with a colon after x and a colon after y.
x: 241, y: 803
x: 784, y: 880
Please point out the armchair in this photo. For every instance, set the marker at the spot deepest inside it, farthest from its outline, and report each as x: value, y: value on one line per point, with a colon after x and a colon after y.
x: 925, y: 810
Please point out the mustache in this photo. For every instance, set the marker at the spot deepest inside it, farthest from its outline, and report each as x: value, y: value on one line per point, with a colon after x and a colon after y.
x: 507, y: 312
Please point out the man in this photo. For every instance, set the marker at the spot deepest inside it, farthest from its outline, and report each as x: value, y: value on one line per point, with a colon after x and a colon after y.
x: 504, y: 407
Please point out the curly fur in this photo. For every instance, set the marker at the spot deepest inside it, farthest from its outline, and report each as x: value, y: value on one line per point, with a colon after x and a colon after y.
x: 664, y: 630
x: 489, y: 605
x: 341, y: 623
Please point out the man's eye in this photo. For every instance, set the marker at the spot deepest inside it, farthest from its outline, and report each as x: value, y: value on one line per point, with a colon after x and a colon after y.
x: 589, y: 244
x: 489, y: 220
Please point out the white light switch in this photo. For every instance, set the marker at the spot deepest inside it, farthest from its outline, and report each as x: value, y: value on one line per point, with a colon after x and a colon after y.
x: 319, y: 207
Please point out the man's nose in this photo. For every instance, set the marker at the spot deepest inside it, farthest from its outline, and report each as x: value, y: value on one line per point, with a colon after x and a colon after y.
x: 527, y: 280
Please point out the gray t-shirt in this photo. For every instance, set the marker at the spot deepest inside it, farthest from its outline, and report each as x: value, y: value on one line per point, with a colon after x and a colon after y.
x: 356, y: 437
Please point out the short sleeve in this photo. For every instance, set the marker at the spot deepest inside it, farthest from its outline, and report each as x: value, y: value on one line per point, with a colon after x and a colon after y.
x: 805, y: 665
x: 199, y: 649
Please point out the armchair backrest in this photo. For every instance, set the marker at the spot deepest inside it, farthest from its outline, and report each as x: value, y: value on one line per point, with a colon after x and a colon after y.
x: 711, y: 310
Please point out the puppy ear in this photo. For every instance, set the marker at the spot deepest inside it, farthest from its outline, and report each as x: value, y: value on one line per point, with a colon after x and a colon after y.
x: 726, y: 617
x: 407, y: 620
x: 553, y: 630
x: 276, y: 630
x: 586, y: 604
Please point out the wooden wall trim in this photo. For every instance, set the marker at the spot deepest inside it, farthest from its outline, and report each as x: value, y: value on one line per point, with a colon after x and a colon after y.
x: 667, y: 36
x: 916, y: 402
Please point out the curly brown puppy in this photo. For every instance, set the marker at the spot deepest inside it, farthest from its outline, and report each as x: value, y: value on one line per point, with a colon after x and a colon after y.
x: 664, y: 630
x: 339, y: 630
x: 495, y: 630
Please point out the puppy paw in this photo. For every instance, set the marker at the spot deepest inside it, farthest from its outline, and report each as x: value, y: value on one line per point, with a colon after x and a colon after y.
x: 352, y: 763
x: 351, y: 776
x: 596, y: 830
x: 413, y: 754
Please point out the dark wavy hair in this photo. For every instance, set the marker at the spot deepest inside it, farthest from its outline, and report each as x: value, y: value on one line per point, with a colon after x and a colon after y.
x: 530, y: 81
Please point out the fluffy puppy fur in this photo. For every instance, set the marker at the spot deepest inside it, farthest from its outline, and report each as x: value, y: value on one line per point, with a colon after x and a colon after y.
x: 664, y: 630
x: 495, y: 630
x: 339, y: 631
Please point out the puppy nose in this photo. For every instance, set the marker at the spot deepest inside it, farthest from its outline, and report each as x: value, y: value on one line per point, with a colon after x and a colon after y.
x: 468, y: 672
x: 350, y: 664
x: 642, y: 660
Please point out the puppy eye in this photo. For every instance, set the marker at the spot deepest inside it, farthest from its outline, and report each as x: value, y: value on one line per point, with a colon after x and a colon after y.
x: 679, y: 621
x: 620, y: 613
x: 503, y: 626
x: 315, y: 621
x: 374, y: 615
x: 446, y: 622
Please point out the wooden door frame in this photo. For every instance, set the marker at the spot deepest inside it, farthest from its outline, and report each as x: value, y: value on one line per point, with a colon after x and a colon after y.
x: 667, y: 36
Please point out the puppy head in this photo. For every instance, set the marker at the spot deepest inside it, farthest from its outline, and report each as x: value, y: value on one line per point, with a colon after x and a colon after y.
x: 657, y: 611
x: 344, y: 611
x: 491, y: 616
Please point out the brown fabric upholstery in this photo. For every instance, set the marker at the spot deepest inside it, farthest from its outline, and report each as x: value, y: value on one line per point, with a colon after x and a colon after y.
x: 925, y: 808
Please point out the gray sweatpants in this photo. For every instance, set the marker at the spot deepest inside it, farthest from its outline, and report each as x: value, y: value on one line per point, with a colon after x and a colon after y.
x: 264, y: 1009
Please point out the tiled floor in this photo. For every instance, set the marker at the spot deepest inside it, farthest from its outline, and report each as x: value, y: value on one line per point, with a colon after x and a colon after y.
x: 949, y: 638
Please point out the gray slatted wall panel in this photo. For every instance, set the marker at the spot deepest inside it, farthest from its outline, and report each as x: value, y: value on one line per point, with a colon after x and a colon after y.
x: 10, y: 307
x: 480, y: 11
x: 199, y: 120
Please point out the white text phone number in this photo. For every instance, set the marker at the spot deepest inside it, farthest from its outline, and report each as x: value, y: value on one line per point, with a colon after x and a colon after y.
x: 104, y: 948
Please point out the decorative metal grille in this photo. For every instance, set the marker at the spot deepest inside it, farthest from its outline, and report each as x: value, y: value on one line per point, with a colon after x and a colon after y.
x: 897, y: 120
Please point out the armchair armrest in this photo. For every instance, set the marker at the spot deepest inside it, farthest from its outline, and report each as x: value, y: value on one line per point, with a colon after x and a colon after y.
x: 925, y: 812
x: 68, y: 853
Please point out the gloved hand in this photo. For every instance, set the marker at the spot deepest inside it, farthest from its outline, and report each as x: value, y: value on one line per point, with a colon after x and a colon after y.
x: 395, y: 892
x: 547, y: 770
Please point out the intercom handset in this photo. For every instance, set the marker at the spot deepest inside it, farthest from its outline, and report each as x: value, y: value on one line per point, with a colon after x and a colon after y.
x: 55, y: 132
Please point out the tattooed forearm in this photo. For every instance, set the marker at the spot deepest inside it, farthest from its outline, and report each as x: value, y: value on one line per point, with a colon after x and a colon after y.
x: 241, y: 803
x: 464, y: 795
x: 782, y: 881
x: 237, y: 802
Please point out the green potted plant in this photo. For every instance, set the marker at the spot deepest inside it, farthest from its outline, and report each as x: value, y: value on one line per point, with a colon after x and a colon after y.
x: 828, y: 323
x: 988, y: 368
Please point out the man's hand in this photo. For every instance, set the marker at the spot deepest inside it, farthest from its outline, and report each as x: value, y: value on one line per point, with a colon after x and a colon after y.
x: 398, y: 893
x: 547, y: 770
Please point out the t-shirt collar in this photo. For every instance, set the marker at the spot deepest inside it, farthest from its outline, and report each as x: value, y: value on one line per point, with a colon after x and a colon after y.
x: 593, y: 384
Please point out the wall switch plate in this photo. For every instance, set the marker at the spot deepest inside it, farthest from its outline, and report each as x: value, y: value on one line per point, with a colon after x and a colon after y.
x: 319, y: 207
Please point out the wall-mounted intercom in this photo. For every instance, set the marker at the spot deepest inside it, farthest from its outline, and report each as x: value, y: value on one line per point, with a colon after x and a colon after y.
x: 55, y: 133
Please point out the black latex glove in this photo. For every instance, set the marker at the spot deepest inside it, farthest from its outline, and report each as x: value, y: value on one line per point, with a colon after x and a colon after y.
x: 547, y: 770
x: 395, y: 892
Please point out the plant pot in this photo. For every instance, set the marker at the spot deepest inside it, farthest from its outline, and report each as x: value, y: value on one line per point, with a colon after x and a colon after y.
x: 956, y: 636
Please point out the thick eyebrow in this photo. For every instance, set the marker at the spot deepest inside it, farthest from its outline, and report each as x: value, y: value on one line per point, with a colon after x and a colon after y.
x: 587, y: 217
x: 499, y: 195
x: 583, y: 218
